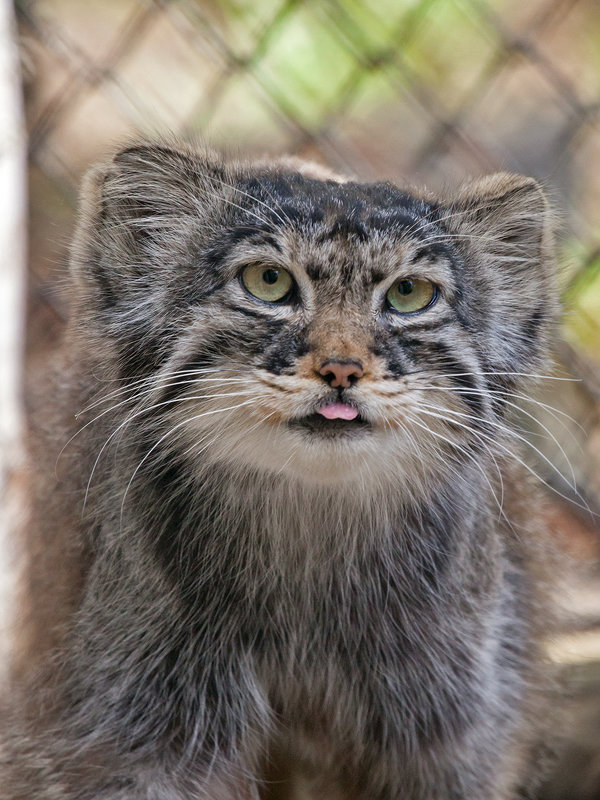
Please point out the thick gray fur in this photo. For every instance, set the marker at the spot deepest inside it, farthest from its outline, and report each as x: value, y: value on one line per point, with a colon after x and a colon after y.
x: 229, y: 607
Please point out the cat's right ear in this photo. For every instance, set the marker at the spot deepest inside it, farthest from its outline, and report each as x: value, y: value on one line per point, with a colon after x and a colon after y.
x: 134, y: 211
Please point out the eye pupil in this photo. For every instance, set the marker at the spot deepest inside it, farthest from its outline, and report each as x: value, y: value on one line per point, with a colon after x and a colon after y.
x: 405, y: 287
x: 270, y: 276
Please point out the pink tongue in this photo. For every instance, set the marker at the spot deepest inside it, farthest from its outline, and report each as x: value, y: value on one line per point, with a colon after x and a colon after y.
x: 338, y: 411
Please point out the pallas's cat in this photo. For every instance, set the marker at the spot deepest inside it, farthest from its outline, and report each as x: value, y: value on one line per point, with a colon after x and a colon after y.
x: 291, y: 550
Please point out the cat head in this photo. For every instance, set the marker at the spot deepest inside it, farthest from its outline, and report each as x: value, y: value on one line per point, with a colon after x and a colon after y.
x: 264, y: 316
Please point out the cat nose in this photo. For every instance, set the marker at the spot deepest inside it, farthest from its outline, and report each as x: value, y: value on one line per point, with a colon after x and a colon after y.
x: 341, y: 373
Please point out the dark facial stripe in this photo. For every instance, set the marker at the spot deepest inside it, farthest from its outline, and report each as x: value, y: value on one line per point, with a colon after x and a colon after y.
x: 141, y: 352
x: 314, y: 271
x: 389, y: 348
x: 283, y: 349
x: 253, y: 233
x: 430, y: 325
x: 422, y: 252
x: 456, y: 371
x: 213, y: 256
x: 171, y: 392
x: 108, y: 297
x: 498, y: 383
x: 224, y: 345
x: 531, y: 328
x: 247, y: 312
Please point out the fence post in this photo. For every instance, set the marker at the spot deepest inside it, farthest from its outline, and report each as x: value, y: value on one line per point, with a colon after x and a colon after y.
x: 12, y: 285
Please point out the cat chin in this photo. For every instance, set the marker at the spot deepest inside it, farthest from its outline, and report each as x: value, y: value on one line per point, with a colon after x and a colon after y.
x: 363, y: 462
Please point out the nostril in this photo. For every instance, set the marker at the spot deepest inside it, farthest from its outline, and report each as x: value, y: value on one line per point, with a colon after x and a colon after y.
x: 341, y: 373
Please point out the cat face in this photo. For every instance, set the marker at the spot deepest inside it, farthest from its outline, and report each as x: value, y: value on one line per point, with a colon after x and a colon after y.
x: 331, y: 330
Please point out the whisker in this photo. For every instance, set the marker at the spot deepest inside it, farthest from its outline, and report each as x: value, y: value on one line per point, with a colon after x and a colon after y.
x: 159, y: 386
x: 169, y: 433
x: 478, y: 374
x: 472, y: 458
x: 157, y: 379
x: 556, y: 413
x: 532, y: 417
x: 512, y: 432
x: 583, y: 505
x: 137, y: 397
x: 133, y: 416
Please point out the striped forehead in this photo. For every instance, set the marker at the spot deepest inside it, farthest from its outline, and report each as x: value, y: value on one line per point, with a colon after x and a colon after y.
x: 337, y: 230
x: 337, y: 209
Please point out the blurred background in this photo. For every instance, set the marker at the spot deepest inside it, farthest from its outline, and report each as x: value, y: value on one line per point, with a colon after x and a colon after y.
x: 417, y: 91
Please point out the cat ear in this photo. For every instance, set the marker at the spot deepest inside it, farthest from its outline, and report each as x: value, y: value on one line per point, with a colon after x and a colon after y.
x: 135, y: 212
x: 145, y: 182
x: 505, y: 217
x: 504, y: 228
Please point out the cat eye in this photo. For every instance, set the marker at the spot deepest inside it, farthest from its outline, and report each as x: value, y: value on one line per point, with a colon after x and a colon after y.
x: 271, y: 284
x: 411, y: 294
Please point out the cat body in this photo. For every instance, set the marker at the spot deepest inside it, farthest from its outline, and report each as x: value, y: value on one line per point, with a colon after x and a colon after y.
x: 300, y: 559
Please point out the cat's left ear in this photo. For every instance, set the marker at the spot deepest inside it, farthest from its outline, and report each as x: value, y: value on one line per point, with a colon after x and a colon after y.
x: 504, y: 228
x: 506, y: 216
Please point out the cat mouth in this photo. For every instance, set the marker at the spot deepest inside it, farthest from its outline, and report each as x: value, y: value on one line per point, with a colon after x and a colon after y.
x: 333, y: 421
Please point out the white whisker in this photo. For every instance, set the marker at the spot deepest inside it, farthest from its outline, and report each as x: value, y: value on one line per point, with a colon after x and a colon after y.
x: 583, y: 505
x: 140, y: 412
x: 158, y: 381
x: 170, y: 432
x: 524, y: 439
x: 472, y: 459
x: 510, y: 432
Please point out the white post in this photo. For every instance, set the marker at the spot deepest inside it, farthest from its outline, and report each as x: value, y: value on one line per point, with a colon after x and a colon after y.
x: 12, y: 285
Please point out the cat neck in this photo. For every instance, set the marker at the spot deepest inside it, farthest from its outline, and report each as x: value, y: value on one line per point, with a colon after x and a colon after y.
x: 256, y: 522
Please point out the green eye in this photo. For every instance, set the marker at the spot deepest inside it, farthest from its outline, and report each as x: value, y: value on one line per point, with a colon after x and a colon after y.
x: 411, y: 294
x: 267, y: 283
